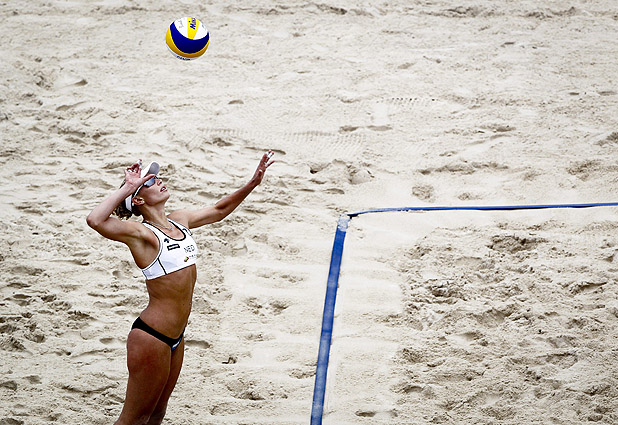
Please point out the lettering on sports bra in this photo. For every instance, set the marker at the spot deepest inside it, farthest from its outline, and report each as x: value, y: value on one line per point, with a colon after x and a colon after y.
x: 173, y: 258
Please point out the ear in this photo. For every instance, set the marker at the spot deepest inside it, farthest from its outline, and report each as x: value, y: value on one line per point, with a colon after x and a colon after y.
x: 137, y: 201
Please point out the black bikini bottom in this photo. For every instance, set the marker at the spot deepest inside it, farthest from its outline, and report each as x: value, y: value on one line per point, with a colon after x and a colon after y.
x: 172, y: 342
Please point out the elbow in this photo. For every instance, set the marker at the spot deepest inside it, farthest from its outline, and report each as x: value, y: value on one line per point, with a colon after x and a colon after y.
x: 216, y: 213
x: 221, y: 214
x: 92, y: 222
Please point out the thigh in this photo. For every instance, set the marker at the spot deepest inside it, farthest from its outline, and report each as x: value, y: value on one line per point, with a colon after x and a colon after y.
x: 175, y: 366
x: 148, y: 360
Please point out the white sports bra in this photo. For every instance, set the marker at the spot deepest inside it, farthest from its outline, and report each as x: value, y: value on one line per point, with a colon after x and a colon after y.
x: 174, y: 254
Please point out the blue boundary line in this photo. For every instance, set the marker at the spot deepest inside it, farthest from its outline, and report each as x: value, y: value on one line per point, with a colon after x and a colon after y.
x: 319, y: 389
x: 486, y: 208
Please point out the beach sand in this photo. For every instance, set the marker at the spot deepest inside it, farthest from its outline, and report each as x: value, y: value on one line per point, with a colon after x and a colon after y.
x: 442, y: 318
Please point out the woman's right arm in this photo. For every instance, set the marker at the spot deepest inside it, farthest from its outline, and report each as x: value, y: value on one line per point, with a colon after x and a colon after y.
x: 100, y: 217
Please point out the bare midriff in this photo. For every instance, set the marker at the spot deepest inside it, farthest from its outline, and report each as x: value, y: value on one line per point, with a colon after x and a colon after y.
x: 170, y: 299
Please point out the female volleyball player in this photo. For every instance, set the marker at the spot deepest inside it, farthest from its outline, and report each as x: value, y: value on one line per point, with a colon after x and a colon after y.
x: 162, y: 246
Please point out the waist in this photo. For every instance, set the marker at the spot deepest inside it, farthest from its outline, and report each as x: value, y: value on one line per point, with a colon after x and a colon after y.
x: 170, y: 300
x: 164, y: 321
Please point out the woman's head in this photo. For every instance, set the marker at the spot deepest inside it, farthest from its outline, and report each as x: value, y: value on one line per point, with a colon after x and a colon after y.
x: 150, y: 193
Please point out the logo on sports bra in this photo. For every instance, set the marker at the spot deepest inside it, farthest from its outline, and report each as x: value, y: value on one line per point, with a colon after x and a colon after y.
x: 173, y: 246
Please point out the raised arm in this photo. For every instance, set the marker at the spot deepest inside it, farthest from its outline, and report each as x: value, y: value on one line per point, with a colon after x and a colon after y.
x: 110, y: 227
x: 197, y: 218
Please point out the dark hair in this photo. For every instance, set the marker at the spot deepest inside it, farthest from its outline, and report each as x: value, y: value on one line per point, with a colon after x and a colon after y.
x: 122, y: 212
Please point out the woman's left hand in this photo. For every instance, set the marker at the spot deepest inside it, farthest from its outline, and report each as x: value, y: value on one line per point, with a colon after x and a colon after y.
x: 265, y: 162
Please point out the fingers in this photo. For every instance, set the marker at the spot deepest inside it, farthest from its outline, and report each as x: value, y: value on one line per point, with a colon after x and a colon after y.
x: 135, y: 167
x: 266, y: 159
x: 132, y: 173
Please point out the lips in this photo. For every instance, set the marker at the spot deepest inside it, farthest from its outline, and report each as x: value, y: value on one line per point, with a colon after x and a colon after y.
x: 163, y: 189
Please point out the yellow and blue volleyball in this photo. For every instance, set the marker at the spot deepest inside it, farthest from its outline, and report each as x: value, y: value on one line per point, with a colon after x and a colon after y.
x: 187, y: 38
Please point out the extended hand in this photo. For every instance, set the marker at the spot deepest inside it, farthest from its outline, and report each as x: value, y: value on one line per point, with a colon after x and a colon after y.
x: 265, y: 162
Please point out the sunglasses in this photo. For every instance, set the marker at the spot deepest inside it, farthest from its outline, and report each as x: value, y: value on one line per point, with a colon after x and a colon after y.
x: 150, y: 181
x: 147, y: 183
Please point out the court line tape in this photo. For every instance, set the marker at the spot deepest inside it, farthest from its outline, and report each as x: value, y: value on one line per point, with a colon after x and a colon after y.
x: 319, y: 389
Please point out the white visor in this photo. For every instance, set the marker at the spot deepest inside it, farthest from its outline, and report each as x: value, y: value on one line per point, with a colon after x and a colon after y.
x: 152, y: 168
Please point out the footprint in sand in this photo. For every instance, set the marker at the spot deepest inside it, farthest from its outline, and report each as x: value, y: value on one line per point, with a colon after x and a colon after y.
x: 111, y: 341
x: 266, y: 308
x: 11, y: 343
x: 68, y: 80
x: 424, y: 192
x: 301, y: 373
x: 196, y: 343
x: 377, y: 414
x: 359, y: 175
x: 489, y: 399
x: 69, y: 104
x: 465, y: 339
x: 514, y: 243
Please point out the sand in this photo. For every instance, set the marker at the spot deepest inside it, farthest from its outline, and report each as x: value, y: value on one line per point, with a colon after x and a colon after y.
x: 442, y: 318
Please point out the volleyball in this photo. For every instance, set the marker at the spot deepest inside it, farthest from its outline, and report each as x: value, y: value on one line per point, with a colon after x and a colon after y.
x: 187, y: 38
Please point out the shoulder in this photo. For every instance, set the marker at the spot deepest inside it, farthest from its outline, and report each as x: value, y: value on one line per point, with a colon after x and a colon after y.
x: 197, y: 218
x: 180, y: 217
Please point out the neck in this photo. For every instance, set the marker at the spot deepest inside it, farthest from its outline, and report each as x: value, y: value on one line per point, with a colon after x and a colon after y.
x: 157, y: 217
